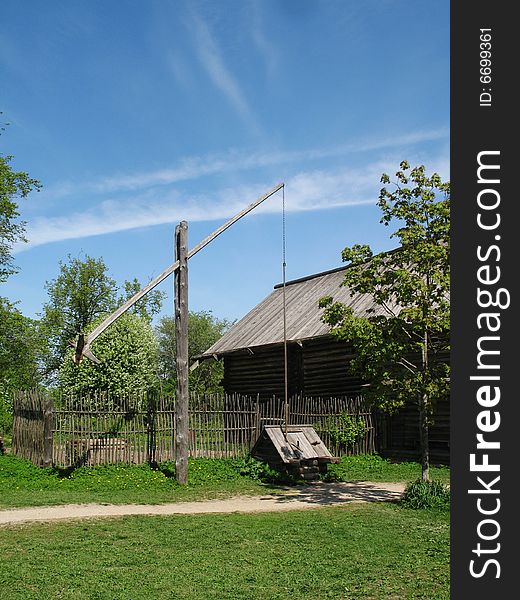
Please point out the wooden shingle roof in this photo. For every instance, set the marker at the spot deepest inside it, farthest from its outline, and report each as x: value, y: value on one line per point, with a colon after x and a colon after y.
x: 264, y: 324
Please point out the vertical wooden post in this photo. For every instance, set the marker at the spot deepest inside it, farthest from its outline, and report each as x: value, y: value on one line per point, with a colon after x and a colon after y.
x: 151, y: 417
x: 258, y: 421
x: 181, y: 361
x: 48, y: 437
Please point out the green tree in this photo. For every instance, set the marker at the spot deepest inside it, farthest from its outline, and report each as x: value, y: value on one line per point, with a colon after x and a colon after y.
x: 203, y: 331
x: 13, y: 185
x: 82, y: 292
x: 127, y: 354
x: 20, y: 349
x: 402, y: 345
x: 149, y: 306
x: 18, y: 339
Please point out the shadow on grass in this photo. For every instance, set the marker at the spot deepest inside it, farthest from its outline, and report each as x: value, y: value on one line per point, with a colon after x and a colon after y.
x: 167, y: 469
x: 66, y: 472
x: 63, y: 472
x: 336, y: 493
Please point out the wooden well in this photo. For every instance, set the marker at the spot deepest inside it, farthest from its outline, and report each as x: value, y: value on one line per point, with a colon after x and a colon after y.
x: 300, y: 452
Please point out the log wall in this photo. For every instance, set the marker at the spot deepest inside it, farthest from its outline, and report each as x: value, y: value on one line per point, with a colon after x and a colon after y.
x: 261, y: 371
x: 319, y: 368
x: 325, y: 368
x: 399, y: 434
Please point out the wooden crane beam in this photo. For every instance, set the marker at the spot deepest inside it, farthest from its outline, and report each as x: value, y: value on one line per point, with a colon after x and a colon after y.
x: 84, y: 341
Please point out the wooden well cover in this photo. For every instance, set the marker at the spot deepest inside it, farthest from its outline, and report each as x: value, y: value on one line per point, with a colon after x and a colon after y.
x: 303, y: 443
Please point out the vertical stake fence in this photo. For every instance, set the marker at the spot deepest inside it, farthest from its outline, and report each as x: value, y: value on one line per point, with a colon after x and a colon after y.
x: 104, y: 429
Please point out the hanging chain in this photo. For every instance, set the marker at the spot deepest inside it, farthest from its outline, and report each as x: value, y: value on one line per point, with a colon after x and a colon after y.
x: 283, y: 232
x: 284, y: 264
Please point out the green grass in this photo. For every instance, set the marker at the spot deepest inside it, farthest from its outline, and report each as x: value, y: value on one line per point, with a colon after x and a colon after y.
x: 372, y: 551
x: 23, y: 484
x: 371, y: 467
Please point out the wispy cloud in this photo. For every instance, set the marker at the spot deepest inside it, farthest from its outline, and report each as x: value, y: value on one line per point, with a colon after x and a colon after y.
x: 313, y: 190
x: 179, y: 70
x: 138, y: 200
x: 212, y: 60
x: 195, y: 167
x: 264, y: 45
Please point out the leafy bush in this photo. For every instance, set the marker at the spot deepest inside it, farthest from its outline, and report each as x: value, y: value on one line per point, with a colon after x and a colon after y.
x: 6, y: 413
x: 255, y: 469
x: 426, y: 494
x: 252, y: 468
x: 344, y: 429
x: 260, y: 471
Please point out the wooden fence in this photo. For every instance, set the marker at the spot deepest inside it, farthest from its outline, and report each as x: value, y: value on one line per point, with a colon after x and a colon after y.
x: 33, y: 427
x: 102, y: 429
x: 330, y: 417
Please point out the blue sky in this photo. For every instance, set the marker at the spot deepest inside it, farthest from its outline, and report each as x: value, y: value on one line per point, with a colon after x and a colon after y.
x: 135, y: 115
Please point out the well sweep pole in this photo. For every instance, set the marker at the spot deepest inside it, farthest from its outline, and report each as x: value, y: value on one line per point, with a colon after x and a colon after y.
x: 181, y: 360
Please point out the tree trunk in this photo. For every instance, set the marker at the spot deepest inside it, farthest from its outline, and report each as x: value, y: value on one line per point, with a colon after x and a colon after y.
x: 424, y: 410
x: 424, y: 437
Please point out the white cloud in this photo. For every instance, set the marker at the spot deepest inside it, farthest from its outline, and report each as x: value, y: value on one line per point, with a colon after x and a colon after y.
x: 311, y: 190
x: 212, y: 60
x: 179, y: 70
x: 232, y: 161
x: 264, y: 45
x: 306, y: 189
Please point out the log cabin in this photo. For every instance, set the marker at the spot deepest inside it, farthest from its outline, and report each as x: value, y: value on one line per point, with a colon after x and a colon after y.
x: 317, y: 363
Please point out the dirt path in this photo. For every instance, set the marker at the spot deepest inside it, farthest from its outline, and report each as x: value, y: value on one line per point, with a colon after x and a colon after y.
x: 310, y: 496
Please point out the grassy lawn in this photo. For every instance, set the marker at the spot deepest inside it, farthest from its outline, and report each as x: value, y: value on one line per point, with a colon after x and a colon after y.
x: 374, y: 468
x: 372, y: 551
x: 23, y: 484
